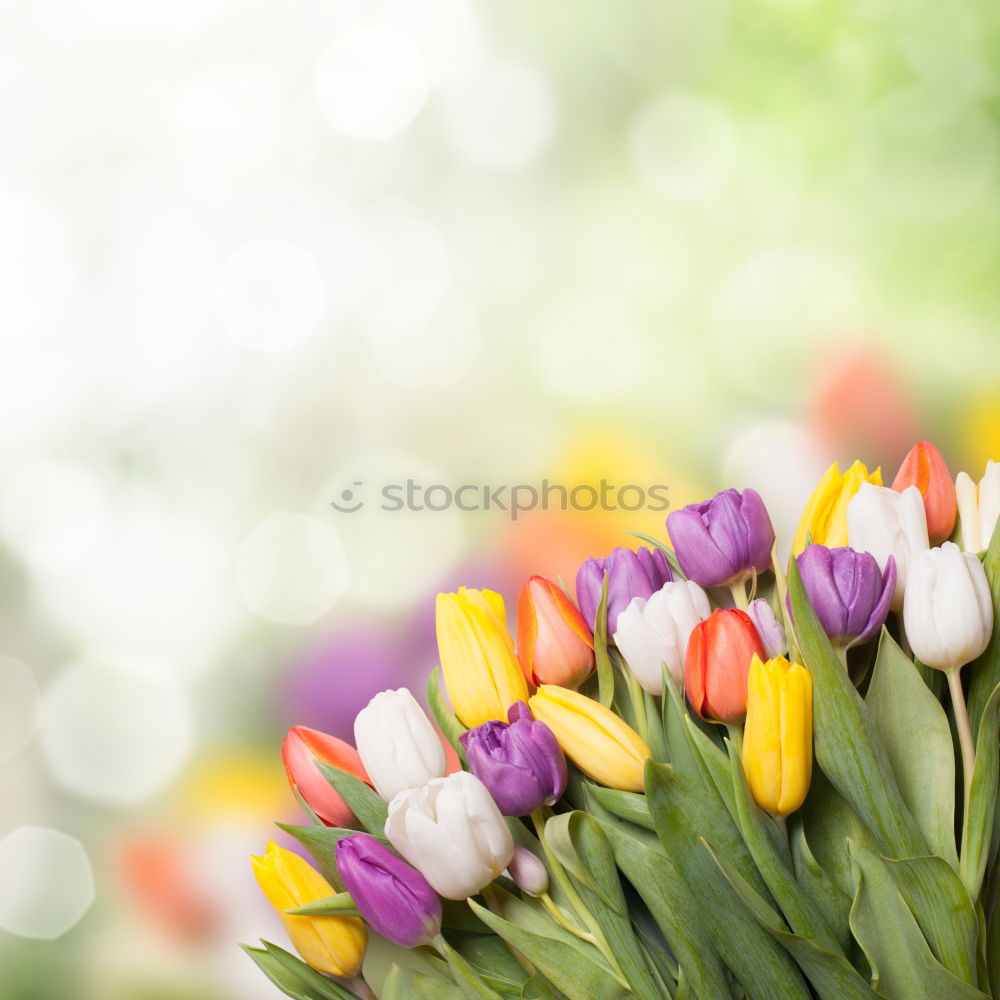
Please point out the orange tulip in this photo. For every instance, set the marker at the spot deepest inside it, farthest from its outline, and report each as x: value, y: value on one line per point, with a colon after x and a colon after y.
x: 925, y: 468
x: 717, y: 663
x: 554, y: 644
x: 300, y: 751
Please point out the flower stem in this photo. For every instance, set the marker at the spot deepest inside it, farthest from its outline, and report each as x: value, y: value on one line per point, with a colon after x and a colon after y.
x: 739, y: 592
x: 964, y: 729
x: 563, y: 921
x: 736, y: 737
x: 357, y: 985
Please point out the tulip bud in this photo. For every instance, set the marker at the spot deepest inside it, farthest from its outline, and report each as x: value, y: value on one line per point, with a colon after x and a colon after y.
x: 593, y: 737
x: 769, y: 628
x: 722, y: 541
x: 718, y: 657
x: 948, y: 613
x: 528, y: 873
x: 849, y: 593
x: 886, y: 523
x: 777, y: 738
x: 452, y: 832
x: 824, y: 520
x: 978, y: 507
x: 481, y: 671
x: 630, y: 574
x: 333, y: 945
x: 300, y: 751
x: 554, y: 644
x: 651, y: 633
x: 398, y: 745
x: 395, y: 899
x: 521, y: 764
x: 925, y: 468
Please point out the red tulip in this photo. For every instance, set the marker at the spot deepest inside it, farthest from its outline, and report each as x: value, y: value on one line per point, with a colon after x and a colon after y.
x: 554, y: 644
x: 717, y: 663
x: 925, y: 468
x: 300, y: 751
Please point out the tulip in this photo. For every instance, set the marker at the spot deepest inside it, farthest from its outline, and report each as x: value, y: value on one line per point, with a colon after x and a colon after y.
x: 481, y: 671
x: 978, y: 507
x: 521, y: 764
x: 301, y: 750
x: 651, y: 633
x: 886, y: 523
x: 452, y: 832
x: 769, y: 628
x: 398, y: 745
x: 528, y: 873
x: 824, y: 520
x: 718, y: 657
x: 395, y: 899
x: 333, y: 945
x: 777, y: 738
x: 630, y: 574
x: 925, y: 468
x: 722, y: 541
x: 948, y: 613
x: 593, y: 737
x: 849, y: 593
x: 554, y: 644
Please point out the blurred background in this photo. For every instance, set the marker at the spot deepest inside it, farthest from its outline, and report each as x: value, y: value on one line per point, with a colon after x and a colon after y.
x: 253, y: 256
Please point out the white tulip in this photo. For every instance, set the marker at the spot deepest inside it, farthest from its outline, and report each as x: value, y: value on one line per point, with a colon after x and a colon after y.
x: 948, y: 613
x: 398, y: 745
x: 656, y: 631
x: 452, y: 832
x: 978, y: 507
x: 886, y: 523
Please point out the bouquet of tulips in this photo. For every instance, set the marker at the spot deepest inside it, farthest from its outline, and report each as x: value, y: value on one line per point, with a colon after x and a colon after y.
x: 713, y: 775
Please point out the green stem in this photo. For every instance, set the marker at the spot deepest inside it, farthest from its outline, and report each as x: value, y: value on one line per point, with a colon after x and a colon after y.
x: 739, y: 592
x: 841, y: 652
x: 736, y: 737
x: 565, y: 883
x: 468, y: 980
x: 563, y: 921
x: 964, y: 730
x: 638, y: 705
x: 357, y: 985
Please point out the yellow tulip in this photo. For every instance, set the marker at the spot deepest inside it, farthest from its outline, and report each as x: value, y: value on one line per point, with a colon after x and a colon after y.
x: 825, y: 515
x: 481, y: 670
x: 592, y: 736
x: 334, y: 945
x: 777, y: 738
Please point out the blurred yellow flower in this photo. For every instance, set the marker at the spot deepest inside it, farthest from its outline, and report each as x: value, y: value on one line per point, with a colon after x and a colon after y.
x: 825, y: 516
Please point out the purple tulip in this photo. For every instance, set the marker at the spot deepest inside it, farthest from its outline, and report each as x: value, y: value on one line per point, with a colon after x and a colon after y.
x: 723, y: 540
x: 395, y: 899
x: 770, y: 630
x: 630, y: 574
x: 849, y: 593
x: 521, y: 764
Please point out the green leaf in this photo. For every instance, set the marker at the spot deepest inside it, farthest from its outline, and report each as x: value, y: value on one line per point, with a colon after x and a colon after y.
x: 605, y: 674
x: 985, y: 671
x: 403, y: 983
x: 829, y: 897
x: 831, y: 975
x: 903, y: 967
x: 320, y: 842
x: 654, y: 727
x: 629, y: 806
x: 914, y: 730
x: 579, y: 843
x: 576, y: 973
x: 322, y: 986
x: 674, y: 906
x: 468, y: 980
x: 539, y: 988
x: 284, y: 978
x: 847, y: 745
x: 977, y: 830
x: 490, y: 957
x: 800, y: 910
x: 338, y: 905
x: 445, y: 718
x: 363, y: 800
x: 682, y: 754
x: 762, y: 967
x: 993, y: 952
x: 306, y: 808
x: 934, y: 893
